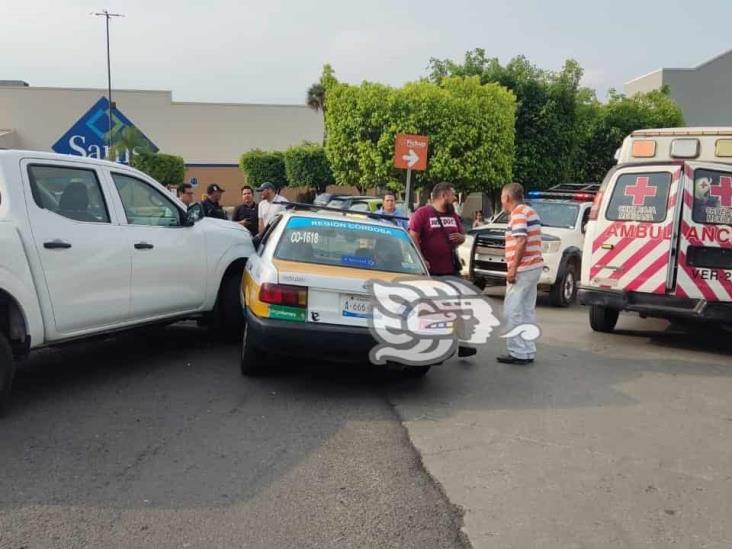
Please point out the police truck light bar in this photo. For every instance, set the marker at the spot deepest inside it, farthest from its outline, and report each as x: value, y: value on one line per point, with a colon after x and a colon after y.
x: 582, y: 192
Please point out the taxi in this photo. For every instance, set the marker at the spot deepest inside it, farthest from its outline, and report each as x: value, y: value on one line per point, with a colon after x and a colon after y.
x: 305, y: 291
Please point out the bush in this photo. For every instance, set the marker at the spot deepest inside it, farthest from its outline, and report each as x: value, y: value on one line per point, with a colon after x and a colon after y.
x: 261, y: 166
x: 307, y: 165
x: 470, y: 127
x: 167, y: 169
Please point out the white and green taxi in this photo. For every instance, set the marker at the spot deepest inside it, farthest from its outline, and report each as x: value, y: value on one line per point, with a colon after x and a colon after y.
x: 305, y: 290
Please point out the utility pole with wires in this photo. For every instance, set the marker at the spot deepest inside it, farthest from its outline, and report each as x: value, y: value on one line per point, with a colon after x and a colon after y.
x: 107, y: 17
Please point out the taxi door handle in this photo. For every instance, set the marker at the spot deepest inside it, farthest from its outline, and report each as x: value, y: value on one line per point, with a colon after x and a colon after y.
x: 143, y: 246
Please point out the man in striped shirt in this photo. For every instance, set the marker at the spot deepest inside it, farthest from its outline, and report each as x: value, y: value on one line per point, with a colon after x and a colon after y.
x: 524, y: 264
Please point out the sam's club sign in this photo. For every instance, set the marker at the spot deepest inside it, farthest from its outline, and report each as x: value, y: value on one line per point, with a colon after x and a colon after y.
x: 88, y: 137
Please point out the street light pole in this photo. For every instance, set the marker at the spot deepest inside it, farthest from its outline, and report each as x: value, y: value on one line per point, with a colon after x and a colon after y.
x: 107, y: 16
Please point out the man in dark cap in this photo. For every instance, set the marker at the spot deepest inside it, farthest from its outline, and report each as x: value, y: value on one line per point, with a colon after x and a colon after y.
x: 270, y: 205
x: 211, y: 206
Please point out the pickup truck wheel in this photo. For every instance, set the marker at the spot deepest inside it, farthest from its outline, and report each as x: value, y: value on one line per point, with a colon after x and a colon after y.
x: 603, y: 319
x: 252, y: 359
x: 227, y: 321
x: 7, y: 371
x: 564, y: 290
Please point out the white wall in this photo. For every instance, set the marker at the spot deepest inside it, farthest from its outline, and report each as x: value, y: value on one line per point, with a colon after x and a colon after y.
x: 199, y: 132
x: 704, y: 93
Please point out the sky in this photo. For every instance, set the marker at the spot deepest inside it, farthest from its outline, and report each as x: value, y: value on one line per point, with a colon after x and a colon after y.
x: 249, y: 51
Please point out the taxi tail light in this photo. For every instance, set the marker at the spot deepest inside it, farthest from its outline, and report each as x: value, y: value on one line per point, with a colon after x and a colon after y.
x: 595, y: 209
x: 282, y: 294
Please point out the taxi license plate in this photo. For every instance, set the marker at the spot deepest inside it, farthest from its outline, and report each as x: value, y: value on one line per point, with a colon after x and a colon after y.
x: 356, y: 306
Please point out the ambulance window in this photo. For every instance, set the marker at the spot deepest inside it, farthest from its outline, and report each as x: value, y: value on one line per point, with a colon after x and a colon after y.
x: 712, y: 197
x: 640, y: 197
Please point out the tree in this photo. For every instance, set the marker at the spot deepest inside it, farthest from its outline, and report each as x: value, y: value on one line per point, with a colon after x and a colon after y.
x: 167, y: 169
x: 470, y: 126
x: 316, y: 96
x: 307, y: 165
x: 264, y: 166
x: 621, y: 116
x: 129, y: 141
x: 546, y: 140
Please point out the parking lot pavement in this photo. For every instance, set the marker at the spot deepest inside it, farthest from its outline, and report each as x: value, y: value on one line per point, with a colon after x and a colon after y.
x: 154, y: 439
x: 608, y: 440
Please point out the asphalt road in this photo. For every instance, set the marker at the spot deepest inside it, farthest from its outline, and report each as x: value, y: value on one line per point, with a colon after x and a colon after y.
x: 154, y: 439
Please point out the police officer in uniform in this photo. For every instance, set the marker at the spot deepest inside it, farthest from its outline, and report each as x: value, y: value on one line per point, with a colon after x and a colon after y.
x: 211, y: 206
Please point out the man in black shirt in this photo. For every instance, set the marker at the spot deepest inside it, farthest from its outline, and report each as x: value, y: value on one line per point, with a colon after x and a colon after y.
x: 246, y: 214
x: 211, y: 206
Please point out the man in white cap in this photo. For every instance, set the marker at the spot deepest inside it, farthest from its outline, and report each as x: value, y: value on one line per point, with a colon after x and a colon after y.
x: 270, y: 205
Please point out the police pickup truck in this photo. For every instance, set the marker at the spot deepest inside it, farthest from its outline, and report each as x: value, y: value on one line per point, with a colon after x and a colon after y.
x: 564, y: 210
x: 91, y: 247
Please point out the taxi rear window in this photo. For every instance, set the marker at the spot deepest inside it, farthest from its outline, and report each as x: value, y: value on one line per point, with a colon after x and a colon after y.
x: 712, y: 197
x: 348, y: 244
x: 640, y: 197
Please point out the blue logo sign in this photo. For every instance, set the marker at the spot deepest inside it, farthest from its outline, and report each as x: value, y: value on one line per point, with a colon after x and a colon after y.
x: 88, y: 137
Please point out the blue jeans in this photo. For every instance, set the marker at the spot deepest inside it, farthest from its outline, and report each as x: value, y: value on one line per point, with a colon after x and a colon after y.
x: 519, y: 308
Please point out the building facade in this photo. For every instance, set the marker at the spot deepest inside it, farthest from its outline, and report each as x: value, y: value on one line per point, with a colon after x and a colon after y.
x: 209, y: 136
x: 704, y: 92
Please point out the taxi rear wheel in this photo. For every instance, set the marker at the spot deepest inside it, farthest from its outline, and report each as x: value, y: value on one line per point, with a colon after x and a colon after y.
x: 416, y: 372
x: 252, y: 358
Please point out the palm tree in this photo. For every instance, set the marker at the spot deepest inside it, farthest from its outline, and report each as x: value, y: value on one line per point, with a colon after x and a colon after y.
x: 125, y: 142
x: 316, y: 97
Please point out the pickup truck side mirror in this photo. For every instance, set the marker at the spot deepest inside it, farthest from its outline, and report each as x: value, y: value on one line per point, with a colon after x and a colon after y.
x: 193, y: 215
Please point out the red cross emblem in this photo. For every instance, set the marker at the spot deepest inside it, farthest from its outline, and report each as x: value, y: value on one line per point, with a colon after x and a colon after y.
x: 641, y: 190
x: 723, y: 191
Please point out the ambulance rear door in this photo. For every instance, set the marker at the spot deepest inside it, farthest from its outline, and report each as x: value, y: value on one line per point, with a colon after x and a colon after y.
x: 634, y: 241
x: 705, y: 251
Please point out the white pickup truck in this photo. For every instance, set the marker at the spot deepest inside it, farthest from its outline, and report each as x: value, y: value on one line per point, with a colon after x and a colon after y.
x: 564, y: 210
x: 91, y: 247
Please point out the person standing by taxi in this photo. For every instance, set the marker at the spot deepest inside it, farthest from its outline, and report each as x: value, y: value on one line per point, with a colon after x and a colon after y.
x: 246, y: 214
x: 211, y: 206
x: 270, y: 205
x: 389, y: 207
x: 438, y: 231
x: 524, y: 264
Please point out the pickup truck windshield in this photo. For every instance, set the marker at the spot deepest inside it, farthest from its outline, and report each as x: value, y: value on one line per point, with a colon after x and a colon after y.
x: 552, y: 214
x: 348, y: 244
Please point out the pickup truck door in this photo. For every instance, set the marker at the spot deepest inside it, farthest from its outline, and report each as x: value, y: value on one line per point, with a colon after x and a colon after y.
x: 83, y: 254
x: 168, y: 258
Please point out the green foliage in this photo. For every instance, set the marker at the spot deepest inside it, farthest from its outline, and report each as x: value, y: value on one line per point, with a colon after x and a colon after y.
x: 470, y: 127
x: 316, y: 93
x: 129, y: 139
x: 260, y: 166
x: 164, y: 168
x: 612, y: 122
x: 563, y: 133
x: 307, y: 165
x: 546, y: 115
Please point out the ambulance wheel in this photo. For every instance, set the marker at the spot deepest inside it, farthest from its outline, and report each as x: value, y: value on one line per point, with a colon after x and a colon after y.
x: 252, y: 358
x: 227, y: 321
x: 603, y: 319
x: 564, y: 290
x: 416, y: 372
x: 7, y: 371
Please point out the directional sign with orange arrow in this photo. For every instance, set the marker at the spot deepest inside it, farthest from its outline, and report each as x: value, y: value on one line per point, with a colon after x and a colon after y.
x: 410, y: 151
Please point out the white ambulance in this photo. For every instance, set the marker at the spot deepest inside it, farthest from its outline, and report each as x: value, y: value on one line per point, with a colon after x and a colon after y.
x: 659, y: 239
